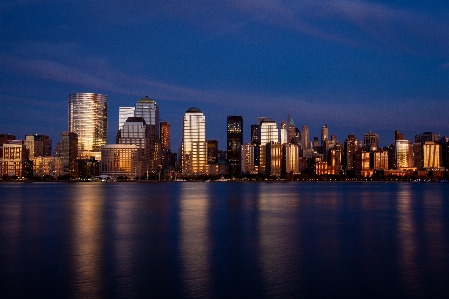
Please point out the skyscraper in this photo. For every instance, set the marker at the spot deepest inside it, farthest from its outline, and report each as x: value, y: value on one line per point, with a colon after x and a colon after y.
x: 305, y: 141
x: 350, y: 148
x: 404, y: 154
x: 370, y: 141
x: 148, y: 109
x: 165, y: 135
x: 284, y: 133
x: 268, y: 133
x: 88, y: 118
x: 234, y: 143
x: 123, y: 114
x: 194, y: 145
x: 324, y: 134
x: 68, y: 151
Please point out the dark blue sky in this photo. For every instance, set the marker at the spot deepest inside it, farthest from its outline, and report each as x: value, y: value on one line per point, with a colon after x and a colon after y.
x: 353, y: 65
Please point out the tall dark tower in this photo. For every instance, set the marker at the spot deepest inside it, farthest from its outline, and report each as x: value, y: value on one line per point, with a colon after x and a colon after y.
x: 255, y: 142
x: 235, y: 140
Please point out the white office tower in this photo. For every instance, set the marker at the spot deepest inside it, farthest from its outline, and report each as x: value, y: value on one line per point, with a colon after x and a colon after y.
x: 194, y: 145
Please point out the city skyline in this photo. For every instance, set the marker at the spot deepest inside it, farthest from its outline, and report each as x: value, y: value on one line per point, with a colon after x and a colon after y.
x: 353, y: 65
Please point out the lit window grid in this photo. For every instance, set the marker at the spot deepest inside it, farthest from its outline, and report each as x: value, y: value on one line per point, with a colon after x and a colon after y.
x: 88, y: 118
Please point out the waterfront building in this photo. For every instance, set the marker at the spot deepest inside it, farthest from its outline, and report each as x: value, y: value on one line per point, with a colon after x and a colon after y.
x: 38, y: 145
x: 362, y: 163
x: 15, y: 160
x: 273, y: 158
x: 88, y: 118
x: 136, y: 131
x: 67, y: 150
x: 403, y: 154
x: 212, y: 152
x: 47, y: 166
x: 379, y: 159
x: 122, y: 160
x: 148, y: 109
x: 350, y: 147
x: 290, y: 159
x: 234, y: 143
x: 335, y: 158
x: 431, y: 156
x: 370, y: 141
x: 247, y: 159
x: 268, y: 133
x: 87, y: 168
x: 194, y: 145
x: 255, y: 142
x: 123, y: 114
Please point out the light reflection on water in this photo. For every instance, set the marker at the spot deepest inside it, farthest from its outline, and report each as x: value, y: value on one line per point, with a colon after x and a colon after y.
x: 228, y: 240
x: 195, y: 245
x: 87, y: 240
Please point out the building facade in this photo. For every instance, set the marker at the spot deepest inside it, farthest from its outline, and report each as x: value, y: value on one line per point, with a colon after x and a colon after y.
x: 122, y: 160
x: 268, y: 132
x: 234, y: 143
x: 194, y: 145
x: 88, y: 118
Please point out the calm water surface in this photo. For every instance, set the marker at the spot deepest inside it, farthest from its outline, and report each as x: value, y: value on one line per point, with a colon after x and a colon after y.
x: 224, y: 240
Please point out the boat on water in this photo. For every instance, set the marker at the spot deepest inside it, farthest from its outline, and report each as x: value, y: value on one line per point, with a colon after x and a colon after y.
x: 222, y: 179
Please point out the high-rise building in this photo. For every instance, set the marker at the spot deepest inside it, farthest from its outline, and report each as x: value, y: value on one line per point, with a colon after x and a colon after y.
x: 350, y: 147
x: 194, y: 145
x: 165, y: 135
x: 427, y: 137
x: 148, y: 109
x: 379, y: 159
x: 255, y: 142
x: 370, y: 141
x: 431, y: 153
x: 290, y: 158
x: 444, y: 141
x: 38, y: 145
x: 284, y: 133
x: 123, y: 114
x: 273, y: 154
x: 247, y: 159
x: 136, y: 131
x: 404, y: 154
x: 305, y: 140
x: 15, y: 160
x: 293, y: 134
x: 68, y: 151
x: 234, y: 143
x: 212, y: 151
x: 88, y: 118
x: 268, y: 133
x: 324, y: 134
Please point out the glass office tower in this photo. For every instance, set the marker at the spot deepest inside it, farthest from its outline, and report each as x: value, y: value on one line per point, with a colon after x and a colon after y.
x: 235, y: 140
x: 194, y: 145
x: 88, y: 117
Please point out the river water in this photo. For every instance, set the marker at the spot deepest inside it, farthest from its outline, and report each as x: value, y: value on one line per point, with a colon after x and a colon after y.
x: 224, y: 240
